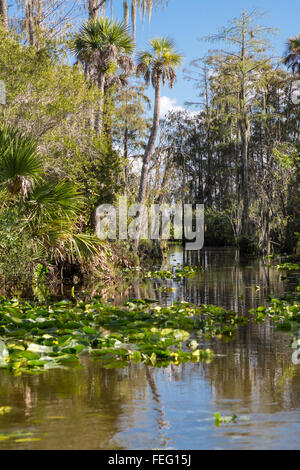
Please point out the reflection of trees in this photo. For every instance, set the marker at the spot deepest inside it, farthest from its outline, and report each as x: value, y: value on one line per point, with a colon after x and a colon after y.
x: 75, y: 408
x: 253, y: 374
x: 230, y: 281
x: 161, y: 417
x: 256, y: 372
x: 256, y: 369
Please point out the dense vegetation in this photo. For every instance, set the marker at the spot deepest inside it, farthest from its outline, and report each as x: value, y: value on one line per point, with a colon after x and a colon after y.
x: 36, y: 338
x: 239, y: 155
x: 76, y: 132
x: 78, y: 129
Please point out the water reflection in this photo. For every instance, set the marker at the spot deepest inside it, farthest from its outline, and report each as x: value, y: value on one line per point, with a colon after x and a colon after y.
x: 230, y: 280
x: 140, y: 407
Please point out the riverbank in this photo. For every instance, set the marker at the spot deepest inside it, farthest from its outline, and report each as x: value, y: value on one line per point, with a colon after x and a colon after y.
x: 141, y: 405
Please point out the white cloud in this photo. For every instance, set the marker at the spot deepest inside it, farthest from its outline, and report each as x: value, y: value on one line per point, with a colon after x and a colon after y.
x: 169, y: 104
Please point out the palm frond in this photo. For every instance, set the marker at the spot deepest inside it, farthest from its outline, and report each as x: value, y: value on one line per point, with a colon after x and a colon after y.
x: 51, y: 199
x: 100, y: 33
x: 159, y: 62
x: 161, y: 45
x: 292, y: 54
x: 83, y: 246
x: 20, y: 162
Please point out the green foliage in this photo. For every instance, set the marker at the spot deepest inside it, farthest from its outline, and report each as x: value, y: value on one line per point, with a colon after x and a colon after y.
x: 40, y: 290
x: 35, y: 338
x: 239, y: 154
x: 218, y: 230
x: 285, y: 313
x: 4, y: 410
x: 288, y: 267
x: 39, y: 222
x: 43, y: 92
x: 176, y: 274
x: 53, y: 104
x: 159, y: 62
x: 18, y: 252
x: 98, y: 36
x: 131, y: 123
x: 224, y: 419
x: 292, y: 54
x: 19, y: 159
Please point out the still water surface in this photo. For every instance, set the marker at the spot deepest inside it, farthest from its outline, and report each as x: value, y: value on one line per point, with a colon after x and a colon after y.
x: 141, y: 407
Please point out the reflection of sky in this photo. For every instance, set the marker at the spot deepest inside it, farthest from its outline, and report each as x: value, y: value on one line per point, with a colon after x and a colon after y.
x: 189, y: 402
x: 251, y: 377
x: 147, y: 408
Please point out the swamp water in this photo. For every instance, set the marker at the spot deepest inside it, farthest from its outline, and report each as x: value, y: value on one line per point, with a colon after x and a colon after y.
x: 141, y: 407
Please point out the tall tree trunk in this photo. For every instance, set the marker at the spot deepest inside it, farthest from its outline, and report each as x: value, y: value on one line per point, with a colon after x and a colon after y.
x: 125, y: 156
x: 39, y: 20
x: 3, y: 13
x: 106, y: 126
x: 245, y: 136
x: 92, y: 12
x: 126, y: 12
x: 126, y: 135
x: 99, y: 114
x: 94, y: 6
x: 149, y: 149
x: 133, y: 17
x: 150, y: 146
x: 245, y: 190
x: 208, y: 149
x: 30, y: 21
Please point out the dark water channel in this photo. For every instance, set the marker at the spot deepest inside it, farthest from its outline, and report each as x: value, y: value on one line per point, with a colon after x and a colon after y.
x: 140, y: 407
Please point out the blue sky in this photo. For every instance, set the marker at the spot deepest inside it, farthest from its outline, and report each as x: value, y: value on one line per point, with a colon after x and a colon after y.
x: 187, y: 20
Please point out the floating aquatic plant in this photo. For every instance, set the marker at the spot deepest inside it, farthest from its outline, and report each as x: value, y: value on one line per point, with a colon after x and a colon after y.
x: 288, y: 267
x: 285, y: 313
x: 4, y: 410
x: 177, y: 274
x: 224, y: 419
x: 35, y: 338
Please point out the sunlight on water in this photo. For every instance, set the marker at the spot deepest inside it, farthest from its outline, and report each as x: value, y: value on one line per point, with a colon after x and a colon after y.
x: 140, y: 407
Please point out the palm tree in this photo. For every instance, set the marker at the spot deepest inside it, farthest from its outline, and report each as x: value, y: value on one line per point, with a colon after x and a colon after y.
x: 104, y: 46
x: 47, y: 211
x: 158, y: 65
x: 52, y: 211
x: 20, y: 163
x: 292, y: 55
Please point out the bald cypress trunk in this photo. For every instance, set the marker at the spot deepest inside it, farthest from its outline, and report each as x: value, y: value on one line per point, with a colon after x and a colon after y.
x: 245, y: 137
x: 94, y: 6
x: 3, y: 13
x: 30, y: 21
